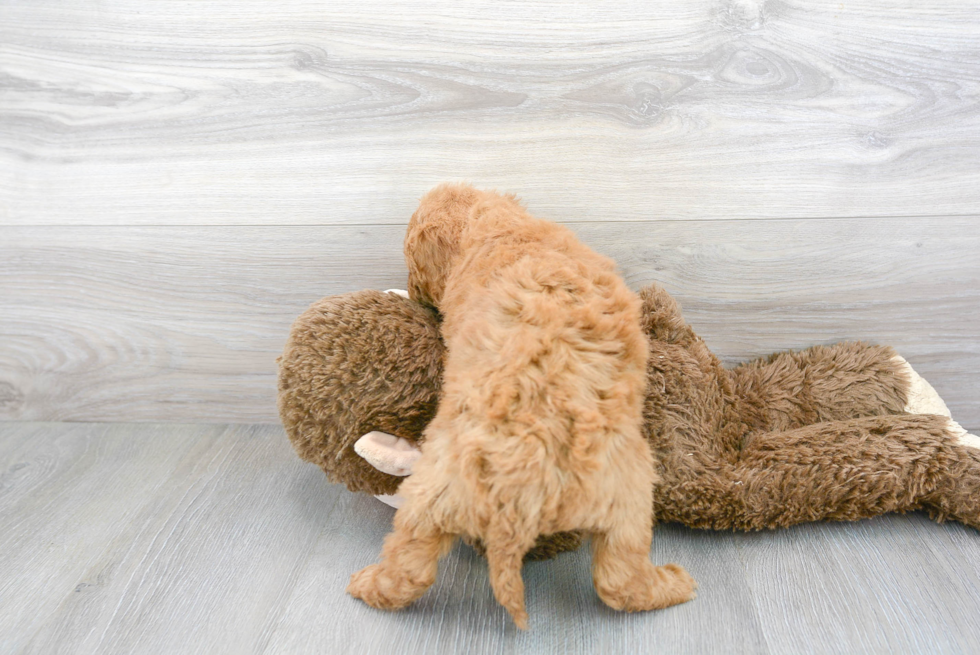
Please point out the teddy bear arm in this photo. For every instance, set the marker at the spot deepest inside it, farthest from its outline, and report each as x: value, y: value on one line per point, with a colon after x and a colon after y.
x: 838, y: 470
x: 387, y: 453
x: 828, y: 383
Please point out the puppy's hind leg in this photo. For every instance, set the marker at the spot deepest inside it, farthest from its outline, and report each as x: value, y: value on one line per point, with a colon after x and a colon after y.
x: 623, y: 575
x: 409, y: 562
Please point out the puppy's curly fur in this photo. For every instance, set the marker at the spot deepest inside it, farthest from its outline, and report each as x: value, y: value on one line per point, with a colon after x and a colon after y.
x: 538, y: 430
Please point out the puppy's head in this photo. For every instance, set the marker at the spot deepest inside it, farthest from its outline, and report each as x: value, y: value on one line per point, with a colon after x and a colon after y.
x: 433, y: 238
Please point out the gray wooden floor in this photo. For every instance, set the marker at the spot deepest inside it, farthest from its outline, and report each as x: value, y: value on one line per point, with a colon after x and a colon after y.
x: 143, y: 538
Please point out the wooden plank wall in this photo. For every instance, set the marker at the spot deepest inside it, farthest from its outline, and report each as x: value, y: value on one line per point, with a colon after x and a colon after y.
x: 179, y: 181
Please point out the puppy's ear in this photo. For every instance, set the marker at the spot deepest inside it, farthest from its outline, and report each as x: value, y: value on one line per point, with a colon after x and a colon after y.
x: 428, y: 254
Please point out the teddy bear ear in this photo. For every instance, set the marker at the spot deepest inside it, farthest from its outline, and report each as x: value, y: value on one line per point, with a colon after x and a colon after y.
x: 387, y: 453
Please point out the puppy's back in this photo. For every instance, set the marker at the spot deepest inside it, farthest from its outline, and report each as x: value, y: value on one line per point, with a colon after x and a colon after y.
x: 547, y: 362
x: 544, y: 378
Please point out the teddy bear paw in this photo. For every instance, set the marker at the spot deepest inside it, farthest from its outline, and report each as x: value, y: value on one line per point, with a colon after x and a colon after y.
x: 962, y: 437
x: 922, y: 398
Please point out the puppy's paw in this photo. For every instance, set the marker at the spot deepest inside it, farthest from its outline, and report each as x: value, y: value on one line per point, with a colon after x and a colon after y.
x: 685, y: 585
x: 653, y: 588
x: 377, y: 589
x: 380, y: 587
x: 363, y: 586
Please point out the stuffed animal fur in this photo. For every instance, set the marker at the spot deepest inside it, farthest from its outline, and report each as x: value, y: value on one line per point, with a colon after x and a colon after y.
x: 843, y: 432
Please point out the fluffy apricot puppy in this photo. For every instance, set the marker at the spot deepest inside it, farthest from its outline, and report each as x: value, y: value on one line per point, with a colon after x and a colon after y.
x: 538, y: 430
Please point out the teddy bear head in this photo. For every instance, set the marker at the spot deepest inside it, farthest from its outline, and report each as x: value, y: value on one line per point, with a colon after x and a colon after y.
x: 361, y: 363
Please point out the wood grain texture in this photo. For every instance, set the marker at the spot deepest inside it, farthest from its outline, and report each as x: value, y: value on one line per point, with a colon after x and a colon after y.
x: 148, y: 542
x: 185, y: 324
x: 67, y: 491
x: 799, y: 577
x: 217, y: 539
x: 297, y: 112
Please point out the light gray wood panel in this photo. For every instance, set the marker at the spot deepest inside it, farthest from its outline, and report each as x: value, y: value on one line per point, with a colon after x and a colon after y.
x: 67, y: 491
x: 186, y: 545
x: 186, y: 323
x: 191, y: 538
x: 165, y: 323
x: 807, y: 585
x: 249, y: 112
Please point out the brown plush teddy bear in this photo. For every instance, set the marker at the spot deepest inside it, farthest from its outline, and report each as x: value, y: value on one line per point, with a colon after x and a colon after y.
x: 841, y: 432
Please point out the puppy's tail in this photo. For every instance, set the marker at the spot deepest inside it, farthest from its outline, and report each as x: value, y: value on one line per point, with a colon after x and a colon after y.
x: 505, y: 553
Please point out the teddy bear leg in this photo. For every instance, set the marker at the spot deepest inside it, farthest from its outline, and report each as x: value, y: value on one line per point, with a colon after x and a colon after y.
x: 824, y: 383
x: 848, y: 470
x: 623, y: 575
x: 957, y: 497
x: 409, y: 562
